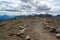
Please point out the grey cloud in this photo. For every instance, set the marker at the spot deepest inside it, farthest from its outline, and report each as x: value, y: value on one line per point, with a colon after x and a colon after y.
x: 26, y: 7
x: 5, y: 5
x: 24, y: 0
x: 43, y: 8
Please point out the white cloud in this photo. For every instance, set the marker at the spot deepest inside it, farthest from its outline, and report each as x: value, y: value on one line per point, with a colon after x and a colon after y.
x: 29, y: 7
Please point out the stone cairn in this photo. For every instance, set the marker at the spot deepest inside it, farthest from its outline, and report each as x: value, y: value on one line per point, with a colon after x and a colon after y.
x: 22, y: 32
x: 52, y: 29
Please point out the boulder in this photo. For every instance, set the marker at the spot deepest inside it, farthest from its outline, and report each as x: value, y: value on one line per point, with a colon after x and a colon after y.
x: 22, y: 35
x: 57, y: 31
x: 46, y: 27
x: 46, y: 23
x: 58, y: 35
x: 52, y: 29
x: 22, y: 27
x: 22, y: 31
x: 27, y: 37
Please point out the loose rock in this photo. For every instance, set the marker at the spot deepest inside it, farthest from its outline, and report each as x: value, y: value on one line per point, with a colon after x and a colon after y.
x: 58, y: 35
x: 27, y: 37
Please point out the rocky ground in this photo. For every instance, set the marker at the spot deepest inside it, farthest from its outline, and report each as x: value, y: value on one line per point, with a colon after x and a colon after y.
x: 34, y: 29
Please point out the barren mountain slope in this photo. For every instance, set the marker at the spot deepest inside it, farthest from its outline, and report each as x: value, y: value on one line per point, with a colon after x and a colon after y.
x: 34, y: 26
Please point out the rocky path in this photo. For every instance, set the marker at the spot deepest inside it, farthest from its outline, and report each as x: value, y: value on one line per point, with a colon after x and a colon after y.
x: 38, y: 33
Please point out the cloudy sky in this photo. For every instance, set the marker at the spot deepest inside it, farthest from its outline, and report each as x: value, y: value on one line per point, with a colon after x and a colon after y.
x: 29, y: 7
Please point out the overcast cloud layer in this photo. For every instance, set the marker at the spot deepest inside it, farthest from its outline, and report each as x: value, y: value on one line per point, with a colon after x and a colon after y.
x: 29, y: 7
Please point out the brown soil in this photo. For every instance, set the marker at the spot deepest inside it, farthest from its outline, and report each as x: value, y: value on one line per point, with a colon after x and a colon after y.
x: 34, y: 26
